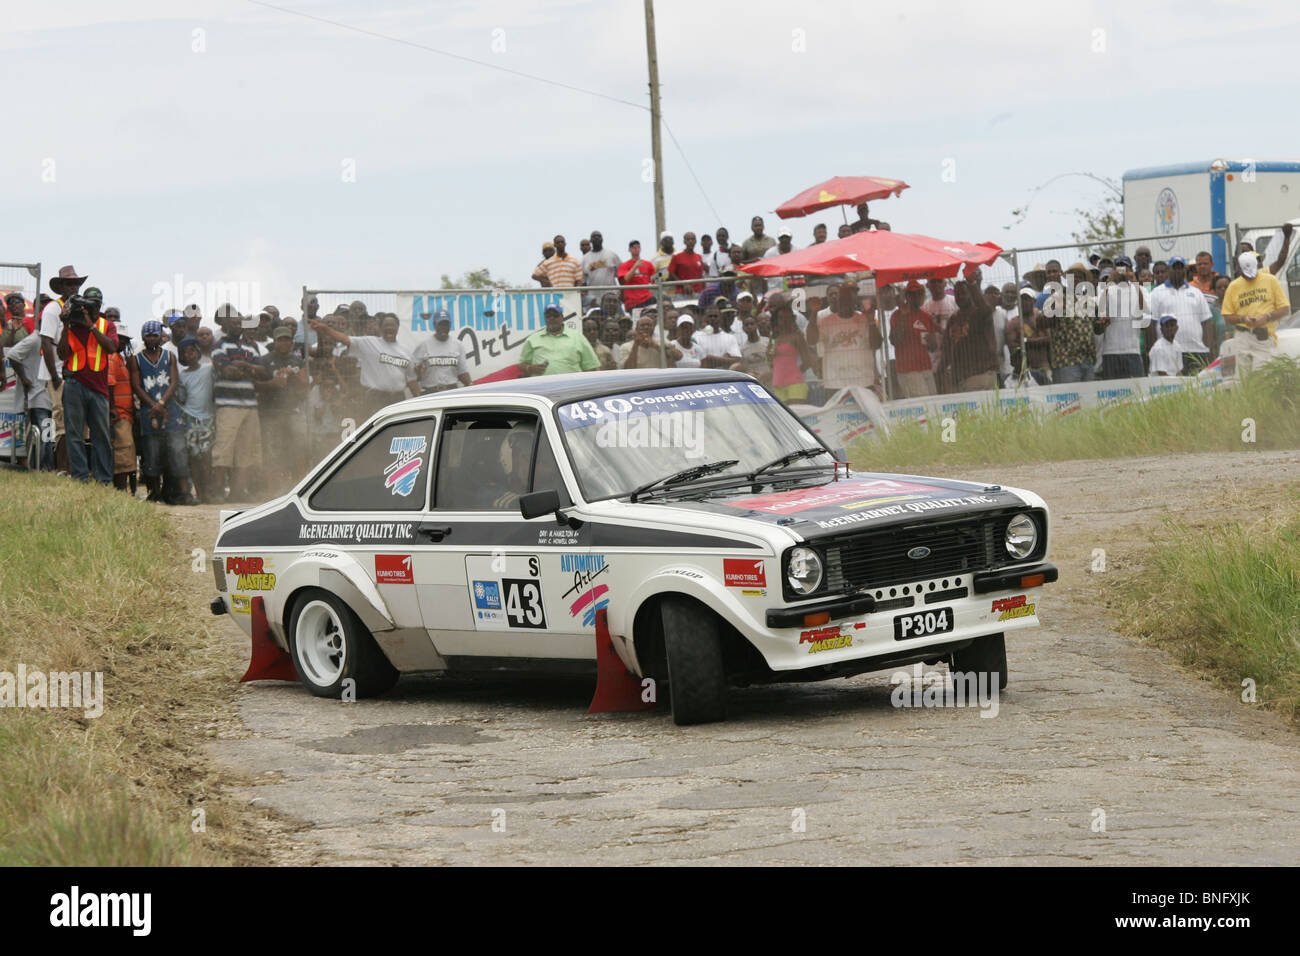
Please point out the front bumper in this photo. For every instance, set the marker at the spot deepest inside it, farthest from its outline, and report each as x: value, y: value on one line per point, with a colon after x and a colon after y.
x: 982, y: 603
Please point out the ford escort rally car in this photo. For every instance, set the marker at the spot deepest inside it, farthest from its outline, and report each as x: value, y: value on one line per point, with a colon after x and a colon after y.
x: 685, y: 520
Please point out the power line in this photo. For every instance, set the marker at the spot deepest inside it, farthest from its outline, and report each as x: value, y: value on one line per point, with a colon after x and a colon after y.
x: 690, y: 169
x: 496, y: 66
x: 447, y: 53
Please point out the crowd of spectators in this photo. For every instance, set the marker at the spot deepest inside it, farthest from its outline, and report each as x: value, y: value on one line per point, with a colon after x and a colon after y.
x: 201, y: 414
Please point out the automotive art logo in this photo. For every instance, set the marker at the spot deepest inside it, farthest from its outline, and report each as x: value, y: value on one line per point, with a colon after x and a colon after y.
x: 404, y: 471
x: 1166, y: 216
x: 487, y: 595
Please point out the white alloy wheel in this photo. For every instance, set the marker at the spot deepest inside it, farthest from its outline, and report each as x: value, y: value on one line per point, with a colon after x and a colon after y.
x: 320, y: 644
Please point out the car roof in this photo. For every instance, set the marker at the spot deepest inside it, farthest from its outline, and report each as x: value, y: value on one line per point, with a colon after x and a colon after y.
x: 561, y: 389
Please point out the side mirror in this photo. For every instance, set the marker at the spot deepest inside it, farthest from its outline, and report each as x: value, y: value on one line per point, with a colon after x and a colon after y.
x: 539, y: 503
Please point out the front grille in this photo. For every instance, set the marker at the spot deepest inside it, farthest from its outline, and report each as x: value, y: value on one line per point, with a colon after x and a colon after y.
x: 879, y: 558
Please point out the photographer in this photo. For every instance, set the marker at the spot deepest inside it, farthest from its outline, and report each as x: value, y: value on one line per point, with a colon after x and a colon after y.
x: 85, y: 342
x: 63, y: 285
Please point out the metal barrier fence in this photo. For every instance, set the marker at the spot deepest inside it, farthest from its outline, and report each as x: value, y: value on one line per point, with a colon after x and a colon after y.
x: 25, y: 278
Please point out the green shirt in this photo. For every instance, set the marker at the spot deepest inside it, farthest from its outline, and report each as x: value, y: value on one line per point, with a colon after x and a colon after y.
x: 567, y: 352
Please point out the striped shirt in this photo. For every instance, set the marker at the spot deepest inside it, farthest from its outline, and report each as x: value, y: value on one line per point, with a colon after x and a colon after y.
x: 237, y: 392
x: 563, y: 271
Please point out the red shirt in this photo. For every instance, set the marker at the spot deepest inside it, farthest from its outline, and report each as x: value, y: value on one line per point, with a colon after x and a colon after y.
x: 643, y: 274
x: 911, y: 355
x: 687, y: 265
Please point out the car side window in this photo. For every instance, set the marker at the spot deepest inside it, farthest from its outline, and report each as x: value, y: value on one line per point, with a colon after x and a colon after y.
x: 389, y: 472
x: 485, y: 460
x: 546, y: 473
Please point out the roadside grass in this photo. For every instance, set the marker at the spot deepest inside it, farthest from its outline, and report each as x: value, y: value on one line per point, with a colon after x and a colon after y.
x: 1225, y: 599
x: 92, y: 580
x: 1193, y: 420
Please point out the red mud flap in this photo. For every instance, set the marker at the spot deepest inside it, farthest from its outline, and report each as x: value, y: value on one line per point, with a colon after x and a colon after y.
x: 268, y: 662
x: 617, y: 689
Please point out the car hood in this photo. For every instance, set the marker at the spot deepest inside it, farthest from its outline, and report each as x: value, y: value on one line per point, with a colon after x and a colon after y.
x: 863, y: 501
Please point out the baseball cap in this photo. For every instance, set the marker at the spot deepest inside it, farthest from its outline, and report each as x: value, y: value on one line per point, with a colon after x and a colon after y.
x: 1124, y: 261
x: 282, y: 332
x: 1177, y: 261
x: 188, y: 340
x: 442, y: 315
x: 553, y: 308
x: 548, y: 244
x: 150, y: 327
x: 1168, y: 318
x: 785, y: 231
x: 94, y: 293
x: 666, y: 234
x: 594, y: 312
x: 914, y: 286
x: 685, y: 319
x: 745, y: 295
x: 14, y: 295
x: 174, y: 316
x: 1105, y: 273
x: 193, y: 311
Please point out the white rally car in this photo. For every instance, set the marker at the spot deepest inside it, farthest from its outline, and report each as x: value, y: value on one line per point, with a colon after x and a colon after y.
x: 685, y: 518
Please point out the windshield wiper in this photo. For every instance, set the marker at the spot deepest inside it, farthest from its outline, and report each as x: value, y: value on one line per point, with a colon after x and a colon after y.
x: 687, y: 474
x: 788, y: 459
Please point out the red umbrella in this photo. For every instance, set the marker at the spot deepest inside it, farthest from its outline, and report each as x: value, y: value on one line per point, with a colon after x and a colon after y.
x: 840, y: 191
x: 892, y: 256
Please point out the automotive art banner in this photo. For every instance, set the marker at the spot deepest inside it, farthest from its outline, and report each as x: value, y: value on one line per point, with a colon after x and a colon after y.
x: 491, y: 325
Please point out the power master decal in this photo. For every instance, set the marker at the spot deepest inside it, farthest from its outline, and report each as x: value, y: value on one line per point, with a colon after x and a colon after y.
x: 505, y: 592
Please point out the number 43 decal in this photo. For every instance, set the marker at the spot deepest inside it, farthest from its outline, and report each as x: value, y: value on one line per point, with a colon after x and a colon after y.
x: 524, y: 602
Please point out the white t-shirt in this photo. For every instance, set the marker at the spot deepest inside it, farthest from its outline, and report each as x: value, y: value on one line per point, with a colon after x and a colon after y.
x: 692, y: 355
x: 845, y: 346
x: 384, y: 365
x: 1166, y: 357
x: 1000, y: 335
x: 1188, y: 306
x: 600, y: 268
x: 52, y: 327
x: 1120, y: 304
x: 716, y: 343
x: 446, y: 361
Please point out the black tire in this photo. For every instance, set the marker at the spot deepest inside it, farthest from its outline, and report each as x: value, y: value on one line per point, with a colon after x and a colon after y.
x: 986, y: 654
x: 331, y: 648
x: 697, y: 679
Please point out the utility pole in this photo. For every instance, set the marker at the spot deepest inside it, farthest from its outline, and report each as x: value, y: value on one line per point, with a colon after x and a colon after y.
x: 655, y: 146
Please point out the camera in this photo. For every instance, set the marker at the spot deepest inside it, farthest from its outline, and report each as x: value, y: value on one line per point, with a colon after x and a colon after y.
x: 80, y: 307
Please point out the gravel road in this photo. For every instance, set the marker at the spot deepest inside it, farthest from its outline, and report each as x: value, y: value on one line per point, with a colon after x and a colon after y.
x: 1094, y: 729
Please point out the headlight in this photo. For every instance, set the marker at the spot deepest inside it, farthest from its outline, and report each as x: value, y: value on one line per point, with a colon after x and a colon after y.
x: 1022, y: 536
x: 804, y: 570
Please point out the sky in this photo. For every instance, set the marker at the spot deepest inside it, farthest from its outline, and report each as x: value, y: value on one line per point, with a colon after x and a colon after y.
x: 157, y: 144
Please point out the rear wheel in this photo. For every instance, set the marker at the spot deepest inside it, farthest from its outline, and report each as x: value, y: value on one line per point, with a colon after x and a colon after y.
x: 986, y: 654
x: 330, y: 646
x: 697, y: 679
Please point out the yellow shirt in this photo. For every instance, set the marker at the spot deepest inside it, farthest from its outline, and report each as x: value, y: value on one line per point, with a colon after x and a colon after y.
x: 1255, y: 298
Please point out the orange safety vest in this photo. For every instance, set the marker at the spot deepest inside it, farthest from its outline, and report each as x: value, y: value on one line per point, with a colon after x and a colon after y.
x: 87, y: 354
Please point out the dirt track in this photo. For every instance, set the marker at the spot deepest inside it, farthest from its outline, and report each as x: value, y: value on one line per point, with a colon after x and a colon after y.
x: 1091, y: 720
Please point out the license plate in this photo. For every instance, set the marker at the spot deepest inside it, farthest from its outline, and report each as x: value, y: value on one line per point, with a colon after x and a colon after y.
x: 923, y: 624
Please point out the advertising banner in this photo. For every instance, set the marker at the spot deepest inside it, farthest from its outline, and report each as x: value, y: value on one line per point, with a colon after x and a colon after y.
x: 491, y: 325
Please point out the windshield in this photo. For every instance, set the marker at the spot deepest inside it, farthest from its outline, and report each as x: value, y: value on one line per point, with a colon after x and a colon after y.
x: 621, y: 442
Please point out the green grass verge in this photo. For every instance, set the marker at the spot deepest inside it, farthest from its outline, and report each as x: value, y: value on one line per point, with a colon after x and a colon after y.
x: 1193, y: 420
x: 1225, y: 599
x: 92, y: 580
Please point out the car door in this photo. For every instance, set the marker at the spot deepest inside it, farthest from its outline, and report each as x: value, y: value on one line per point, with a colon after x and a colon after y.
x: 502, y: 587
x: 371, y: 507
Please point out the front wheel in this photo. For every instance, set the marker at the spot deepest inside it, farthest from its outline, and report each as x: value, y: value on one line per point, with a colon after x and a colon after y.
x: 986, y: 654
x: 697, y: 679
x: 330, y: 646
